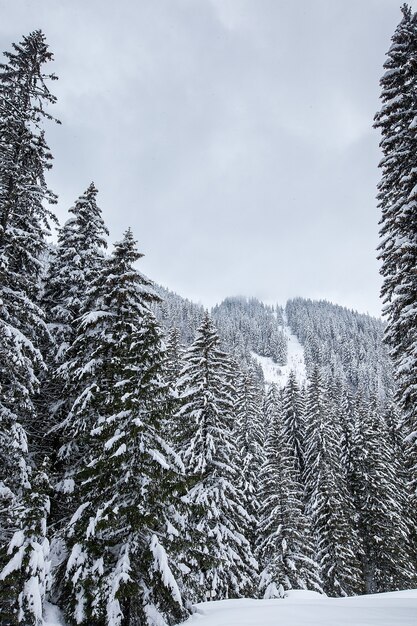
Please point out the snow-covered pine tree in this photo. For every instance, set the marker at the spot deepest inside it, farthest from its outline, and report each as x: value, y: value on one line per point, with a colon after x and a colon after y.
x: 397, y: 197
x: 74, y: 264
x: 119, y: 570
x: 24, y: 158
x: 250, y: 434
x: 293, y: 419
x: 344, y: 403
x: 219, y: 555
x: 173, y: 367
x: 330, y: 505
x: 24, y: 577
x: 174, y: 357
x: 286, y: 548
x: 381, y: 500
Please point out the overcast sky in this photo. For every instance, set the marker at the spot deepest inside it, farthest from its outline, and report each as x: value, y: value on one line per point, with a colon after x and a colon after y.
x: 234, y: 136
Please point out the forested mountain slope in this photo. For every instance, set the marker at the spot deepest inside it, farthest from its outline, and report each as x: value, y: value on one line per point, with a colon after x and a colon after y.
x: 344, y: 343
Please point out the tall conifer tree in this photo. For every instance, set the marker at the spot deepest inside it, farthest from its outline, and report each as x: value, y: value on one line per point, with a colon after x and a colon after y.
x: 250, y: 434
x: 119, y: 570
x: 24, y: 159
x: 286, y: 546
x: 329, y: 504
x: 397, y: 196
x: 220, y: 559
x: 293, y: 419
x: 381, y: 501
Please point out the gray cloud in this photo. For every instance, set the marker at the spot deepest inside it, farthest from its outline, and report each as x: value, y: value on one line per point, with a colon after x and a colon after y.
x: 234, y: 136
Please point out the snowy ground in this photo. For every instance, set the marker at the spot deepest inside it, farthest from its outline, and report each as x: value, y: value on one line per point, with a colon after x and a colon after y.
x: 304, y: 608
x: 301, y: 608
x: 279, y: 374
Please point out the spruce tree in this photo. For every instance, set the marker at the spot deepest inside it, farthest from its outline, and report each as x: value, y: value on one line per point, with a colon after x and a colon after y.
x: 24, y: 578
x: 122, y: 537
x: 397, y: 197
x: 250, y: 435
x: 293, y: 419
x: 381, y: 501
x: 286, y: 548
x: 173, y: 367
x: 24, y: 224
x: 329, y: 503
x: 220, y: 559
x: 74, y: 265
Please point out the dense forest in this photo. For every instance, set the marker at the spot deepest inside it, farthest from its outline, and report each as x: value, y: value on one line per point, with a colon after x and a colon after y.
x: 146, y: 461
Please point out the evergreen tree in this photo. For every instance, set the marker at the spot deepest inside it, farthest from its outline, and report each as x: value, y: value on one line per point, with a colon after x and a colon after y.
x: 381, y: 501
x: 122, y: 537
x: 24, y: 578
x: 174, y: 357
x: 220, y: 560
x: 343, y: 404
x: 250, y: 437
x: 293, y: 419
x: 74, y: 265
x: 329, y: 503
x: 24, y: 159
x: 173, y: 367
x: 397, y: 198
x: 286, y: 548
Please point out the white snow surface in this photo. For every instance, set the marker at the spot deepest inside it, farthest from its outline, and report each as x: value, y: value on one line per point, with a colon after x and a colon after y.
x: 52, y: 615
x: 299, y: 608
x: 307, y: 608
x: 278, y: 374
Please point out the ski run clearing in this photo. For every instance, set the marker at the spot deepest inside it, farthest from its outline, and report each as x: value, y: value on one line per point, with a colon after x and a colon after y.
x: 300, y: 608
x: 278, y: 374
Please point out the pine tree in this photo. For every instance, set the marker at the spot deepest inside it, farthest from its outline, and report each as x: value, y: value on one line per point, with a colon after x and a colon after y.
x: 24, y: 159
x: 397, y: 198
x: 250, y: 437
x: 122, y: 537
x: 173, y: 367
x: 24, y: 578
x: 74, y: 265
x: 381, y: 501
x: 329, y: 504
x: 286, y: 548
x: 293, y: 419
x: 220, y: 560
x: 343, y: 406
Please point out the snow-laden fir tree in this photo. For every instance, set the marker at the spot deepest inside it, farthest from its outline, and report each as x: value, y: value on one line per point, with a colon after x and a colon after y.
x: 381, y: 499
x: 220, y: 559
x: 344, y: 413
x: 397, y: 197
x: 250, y: 433
x: 293, y: 419
x: 174, y: 357
x: 24, y: 577
x: 74, y: 264
x: 173, y: 367
x: 119, y: 570
x: 330, y: 505
x: 286, y: 548
x: 24, y: 158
